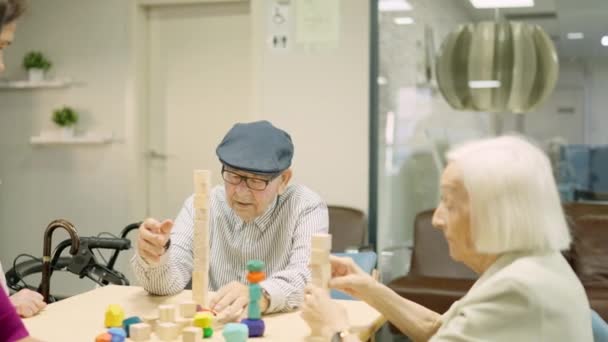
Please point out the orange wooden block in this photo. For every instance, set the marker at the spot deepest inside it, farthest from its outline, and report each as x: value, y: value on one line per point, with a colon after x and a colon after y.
x: 255, y: 277
x: 105, y: 337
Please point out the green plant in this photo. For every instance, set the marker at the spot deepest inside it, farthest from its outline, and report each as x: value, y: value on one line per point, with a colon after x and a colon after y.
x: 65, y: 117
x: 36, y: 60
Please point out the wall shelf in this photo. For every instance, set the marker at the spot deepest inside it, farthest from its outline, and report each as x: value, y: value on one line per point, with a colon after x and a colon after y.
x: 88, y: 139
x: 26, y: 84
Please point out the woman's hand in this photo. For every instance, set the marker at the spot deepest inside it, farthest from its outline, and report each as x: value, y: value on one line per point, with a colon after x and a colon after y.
x: 322, y: 315
x: 347, y: 277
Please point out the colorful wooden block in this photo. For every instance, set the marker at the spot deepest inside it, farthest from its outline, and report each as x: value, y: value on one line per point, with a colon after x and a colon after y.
x: 166, y: 313
x: 203, y: 320
x: 105, y: 337
x: 235, y: 332
x: 192, y: 334
x: 140, y: 332
x: 118, y: 334
x: 114, y: 316
x: 167, y: 331
x: 256, y: 327
x: 207, y: 332
x: 126, y: 324
x: 255, y: 277
x: 255, y: 292
x: 253, y: 310
x: 255, y: 265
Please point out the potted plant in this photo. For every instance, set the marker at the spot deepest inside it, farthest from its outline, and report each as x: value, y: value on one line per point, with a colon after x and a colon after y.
x: 66, y: 118
x: 36, y: 65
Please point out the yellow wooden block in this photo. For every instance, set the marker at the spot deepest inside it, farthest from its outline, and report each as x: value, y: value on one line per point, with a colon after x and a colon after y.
x: 114, y: 316
x: 203, y: 320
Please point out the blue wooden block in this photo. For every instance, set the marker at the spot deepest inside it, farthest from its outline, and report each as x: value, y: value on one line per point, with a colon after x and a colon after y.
x: 235, y: 332
x: 255, y: 265
x: 256, y: 327
x: 118, y: 334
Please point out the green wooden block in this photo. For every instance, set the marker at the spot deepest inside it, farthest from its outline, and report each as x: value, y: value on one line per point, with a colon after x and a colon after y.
x: 207, y: 332
x: 255, y: 265
x: 255, y: 292
x: 253, y: 311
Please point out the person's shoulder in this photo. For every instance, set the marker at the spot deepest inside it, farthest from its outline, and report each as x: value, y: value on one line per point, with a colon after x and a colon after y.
x: 301, y: 195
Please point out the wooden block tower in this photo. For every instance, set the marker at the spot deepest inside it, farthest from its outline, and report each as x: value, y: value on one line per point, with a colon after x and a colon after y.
x: 200, y: 272
x: 320, y: 272
x: 319, y: 260
x: 254, y: 320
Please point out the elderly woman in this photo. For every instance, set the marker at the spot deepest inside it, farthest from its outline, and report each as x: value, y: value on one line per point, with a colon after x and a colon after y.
x: 501, y: 215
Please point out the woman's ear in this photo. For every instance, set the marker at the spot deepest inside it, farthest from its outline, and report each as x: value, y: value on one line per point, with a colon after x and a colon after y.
x: 285, y: 177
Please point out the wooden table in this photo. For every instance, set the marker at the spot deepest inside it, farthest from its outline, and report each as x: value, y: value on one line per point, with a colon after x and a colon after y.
x: 81, y: 318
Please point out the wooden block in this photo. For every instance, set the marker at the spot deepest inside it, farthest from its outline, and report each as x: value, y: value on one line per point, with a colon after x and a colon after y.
x: 152, y: 320
x: 114, y: 316
x: 166, y: 313
x: 201, y: 214
x: 319, y: 256
x: 255, y: 277
x: 187, y: 309
x: 200, y: 288
x: 201, y: 202
x: 255, y: 292
x: 253, y: 310
x: 167, y: 331
x: 321, y: 241
x: 192, y: 334
x: 140, y: 332
x: 183, y: 323
x: 104, y: 337
x: 321, y: 274
x: 203, y: 320
x: 202, y: 181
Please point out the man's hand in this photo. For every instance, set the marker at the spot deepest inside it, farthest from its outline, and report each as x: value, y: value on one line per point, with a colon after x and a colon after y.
x: 152, y: 238
x: 27, y: 302
x: 231, y: 301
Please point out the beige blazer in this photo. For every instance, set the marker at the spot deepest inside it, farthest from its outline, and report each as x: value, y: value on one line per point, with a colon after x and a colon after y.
x: 521, y: 297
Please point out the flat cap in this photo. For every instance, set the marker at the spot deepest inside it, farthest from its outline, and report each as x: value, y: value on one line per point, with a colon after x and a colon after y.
x: 256, y: 147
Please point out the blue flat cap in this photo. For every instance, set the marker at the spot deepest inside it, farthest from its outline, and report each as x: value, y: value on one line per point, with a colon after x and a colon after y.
x: 256, y: 147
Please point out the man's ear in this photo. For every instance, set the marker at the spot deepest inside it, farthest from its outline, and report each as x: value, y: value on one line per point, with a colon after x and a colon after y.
x: 284, y: 179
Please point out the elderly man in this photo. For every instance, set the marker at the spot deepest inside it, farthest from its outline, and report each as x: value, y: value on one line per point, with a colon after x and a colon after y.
x: 255, y: 215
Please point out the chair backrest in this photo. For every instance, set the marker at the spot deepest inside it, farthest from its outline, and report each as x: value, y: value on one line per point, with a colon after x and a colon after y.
x: 347, y: 226
x: 431, y: 254
x: 365, y: 260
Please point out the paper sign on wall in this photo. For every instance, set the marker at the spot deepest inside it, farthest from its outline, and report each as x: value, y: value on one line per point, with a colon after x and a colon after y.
x: 317, y: 21
x: 278, y: 25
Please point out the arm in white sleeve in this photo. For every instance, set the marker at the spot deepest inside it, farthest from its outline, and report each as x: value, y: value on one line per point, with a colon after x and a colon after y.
x: 286, y: 288
x: 174, y: 271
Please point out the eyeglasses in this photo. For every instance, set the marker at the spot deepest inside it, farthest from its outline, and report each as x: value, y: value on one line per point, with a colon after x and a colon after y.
x: 257, y: 184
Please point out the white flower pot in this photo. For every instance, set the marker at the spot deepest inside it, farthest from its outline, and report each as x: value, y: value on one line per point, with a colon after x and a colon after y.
x: 67, y: 132
x: 36, y: 75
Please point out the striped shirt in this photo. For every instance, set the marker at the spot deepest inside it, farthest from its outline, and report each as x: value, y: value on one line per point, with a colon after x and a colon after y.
x: 280, y: 237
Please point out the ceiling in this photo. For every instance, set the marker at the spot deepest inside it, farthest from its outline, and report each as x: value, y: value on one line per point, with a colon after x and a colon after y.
x: 558, y: 18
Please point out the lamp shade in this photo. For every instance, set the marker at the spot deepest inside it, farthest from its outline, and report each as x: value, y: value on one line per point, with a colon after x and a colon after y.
x: 497, y: 67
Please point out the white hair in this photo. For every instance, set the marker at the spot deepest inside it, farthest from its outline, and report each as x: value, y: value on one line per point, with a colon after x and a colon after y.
x: 514, y: 202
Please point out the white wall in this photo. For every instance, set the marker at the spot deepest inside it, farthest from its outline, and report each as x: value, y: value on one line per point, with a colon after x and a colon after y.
x: 319, y: 94
x: 86, y: 40
x: 597, y: 100
x: 320, y: 97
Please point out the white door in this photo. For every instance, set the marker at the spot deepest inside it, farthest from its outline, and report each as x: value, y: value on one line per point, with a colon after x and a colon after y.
x: 199, y: 72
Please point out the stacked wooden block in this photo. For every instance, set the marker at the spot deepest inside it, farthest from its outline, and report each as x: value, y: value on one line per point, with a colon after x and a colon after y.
x: 320, y: 269
x: 254, y: 321
x: 200, y: 273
